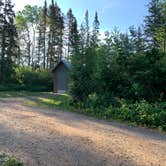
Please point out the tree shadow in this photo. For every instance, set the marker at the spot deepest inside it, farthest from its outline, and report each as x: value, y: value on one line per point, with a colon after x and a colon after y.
x: 77, y: 119
x: 51, y: 150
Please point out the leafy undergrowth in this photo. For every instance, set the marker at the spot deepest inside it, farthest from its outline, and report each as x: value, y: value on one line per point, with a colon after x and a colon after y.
x: 140, y: 113
x: 152, y: 115
x: 9, y: 161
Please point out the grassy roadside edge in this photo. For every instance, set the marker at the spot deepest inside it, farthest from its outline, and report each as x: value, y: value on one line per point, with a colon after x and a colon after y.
x: 62, y: 102
x: 5, y: 160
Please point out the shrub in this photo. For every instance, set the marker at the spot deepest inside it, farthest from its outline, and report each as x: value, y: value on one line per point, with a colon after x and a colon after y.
x: 29, y: 80
x: 142, y: 113
x: 8, y: 161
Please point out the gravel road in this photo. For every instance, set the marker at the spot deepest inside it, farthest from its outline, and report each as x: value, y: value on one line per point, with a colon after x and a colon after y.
x: 43, y: 137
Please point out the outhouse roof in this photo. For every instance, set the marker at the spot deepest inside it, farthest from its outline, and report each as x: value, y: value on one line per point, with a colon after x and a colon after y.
x: 65, y: 62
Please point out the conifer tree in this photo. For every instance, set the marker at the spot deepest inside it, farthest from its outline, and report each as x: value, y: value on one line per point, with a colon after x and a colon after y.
x: 1, y: 41
x: 87, y: 28
x: 153, y: 22
x: 44, y: 32
x: 56, y: 27
x: 42, y: 37
x: 9, y: 47
x: 72, y: 32
x: 95, y: 33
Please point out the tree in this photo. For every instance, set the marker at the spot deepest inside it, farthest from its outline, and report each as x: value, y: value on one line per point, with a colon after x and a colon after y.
x: 27, y: 22
x: 9, y: 47
x: 56, y: 27
x: 24, y: 38
x: 95, y: 33
x: 71, y: 31
x: 1, y: 41
x: 163, y: 28
x: 137, y: 40
x: 44, y: 32
x: 87, y: 29
x: 42, y: 36
x: 155, y: 23
x: 84, y: 63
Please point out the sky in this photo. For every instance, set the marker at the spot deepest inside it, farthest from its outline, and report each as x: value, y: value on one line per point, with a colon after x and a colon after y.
x: 112, y: 13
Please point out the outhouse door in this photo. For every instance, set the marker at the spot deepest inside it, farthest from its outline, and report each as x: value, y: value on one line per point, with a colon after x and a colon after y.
x: 62, y: 81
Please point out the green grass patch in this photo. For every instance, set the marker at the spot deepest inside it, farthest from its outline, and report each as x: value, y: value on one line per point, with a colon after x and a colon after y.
x: 141, y: 113
x: 8, y: 94
x: 9, y: 161
x: 152, y: 115
x: 50, y: 101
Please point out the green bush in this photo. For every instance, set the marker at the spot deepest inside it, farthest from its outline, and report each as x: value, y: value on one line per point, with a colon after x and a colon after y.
x: 8, y: 161
x: 142, y: 113
x: 29, y: 80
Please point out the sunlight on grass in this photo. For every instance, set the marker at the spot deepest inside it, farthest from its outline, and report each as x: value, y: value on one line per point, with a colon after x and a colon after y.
x: 50, y: 101
x: 30, y: 103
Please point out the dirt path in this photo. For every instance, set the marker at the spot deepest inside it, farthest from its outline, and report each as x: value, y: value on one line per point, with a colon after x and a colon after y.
x: 41, y: 137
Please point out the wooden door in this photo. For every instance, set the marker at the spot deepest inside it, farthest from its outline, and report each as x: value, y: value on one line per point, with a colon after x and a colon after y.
x: 62, y: 81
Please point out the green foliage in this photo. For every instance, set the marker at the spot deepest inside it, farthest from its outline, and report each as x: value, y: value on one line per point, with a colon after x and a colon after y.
x: 142, y: 113
x: 8, y: 161
x: 72, y: 33
x: 84, y: 62
x: 112, y: 74
x: 147, y: 74
x: 126, y: 66
x: 155, y: 28
x: 123, y: 78
x: 8, y: 41
x: 29, y: 80
x: 139, y: 113
x: 83, y: 74
x: 56, y: 30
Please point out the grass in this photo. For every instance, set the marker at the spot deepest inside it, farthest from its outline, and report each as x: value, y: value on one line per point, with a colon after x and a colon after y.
x: 8, y: 94
x: 139, y: 114
x: 9, y: 161
x: 44, y: 99
x: 49, y: 100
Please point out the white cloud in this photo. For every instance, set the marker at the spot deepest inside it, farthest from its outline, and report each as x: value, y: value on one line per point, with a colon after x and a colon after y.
x: 19, y: 4
x: 109, y: 4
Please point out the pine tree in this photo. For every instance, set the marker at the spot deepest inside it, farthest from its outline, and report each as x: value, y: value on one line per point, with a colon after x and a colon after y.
x: 163, y: 27
x: 42, y: 37
x: 153, y: 22
x: 75, y: 38
x: 87, y: 28
x: 9, y: 47
x: 60, y: 34
x: 95, y: 33
x: 72, y: 33
x: 52, y: 34
x: 1, y: 40
x: 56, y: 27
x: 39, y: 43
x: 82, y: 35
x: 44, y: 33
x: 137, y: 40
x: 84, y: 62
x: 69, y: 29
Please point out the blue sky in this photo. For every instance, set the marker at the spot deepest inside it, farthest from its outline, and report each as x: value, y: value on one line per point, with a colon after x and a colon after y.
x: 120, y: 13
x: 112, y: 13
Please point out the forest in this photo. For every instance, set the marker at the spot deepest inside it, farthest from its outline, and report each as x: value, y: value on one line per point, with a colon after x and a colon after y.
x: 121, y: 75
